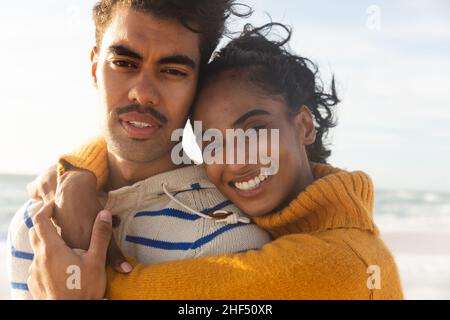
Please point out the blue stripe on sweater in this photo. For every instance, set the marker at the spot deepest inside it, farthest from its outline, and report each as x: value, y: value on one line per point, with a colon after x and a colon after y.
x: 168, y: 212
x: 21, y: 254
x: 19, y: 286
x: 181, y: 246
x: 26, y: 216
x: 174, y: 213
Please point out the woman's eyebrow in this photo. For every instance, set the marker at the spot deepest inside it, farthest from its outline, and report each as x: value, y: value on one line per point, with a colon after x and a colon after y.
x: 246, y: 116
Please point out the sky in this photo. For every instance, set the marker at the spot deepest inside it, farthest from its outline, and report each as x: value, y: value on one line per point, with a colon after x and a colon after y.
x: 390, y: 58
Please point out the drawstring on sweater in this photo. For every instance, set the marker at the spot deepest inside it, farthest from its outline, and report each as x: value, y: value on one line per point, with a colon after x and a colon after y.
x: 228, y: 217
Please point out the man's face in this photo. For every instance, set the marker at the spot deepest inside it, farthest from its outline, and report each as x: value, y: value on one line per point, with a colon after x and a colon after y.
x: 146, y: 73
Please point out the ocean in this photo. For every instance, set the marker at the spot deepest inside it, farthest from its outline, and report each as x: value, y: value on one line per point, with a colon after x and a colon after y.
x: 415, y: 225
x: 12, y: 196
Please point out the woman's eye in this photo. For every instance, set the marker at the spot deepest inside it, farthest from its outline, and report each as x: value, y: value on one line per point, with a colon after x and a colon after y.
x: 124, y: 64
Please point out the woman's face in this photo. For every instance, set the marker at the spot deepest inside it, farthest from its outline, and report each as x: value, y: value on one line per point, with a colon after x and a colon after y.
x: 230, y: 103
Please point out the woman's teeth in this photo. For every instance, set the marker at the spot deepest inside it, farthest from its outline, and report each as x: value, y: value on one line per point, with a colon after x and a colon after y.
x: 139, y: 125
x: 252, y: 184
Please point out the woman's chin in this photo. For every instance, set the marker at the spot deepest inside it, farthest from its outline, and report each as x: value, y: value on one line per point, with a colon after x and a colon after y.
x: 256, y: 211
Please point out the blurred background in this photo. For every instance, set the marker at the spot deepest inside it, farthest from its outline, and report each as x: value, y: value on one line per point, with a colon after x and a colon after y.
x: 392, y: 65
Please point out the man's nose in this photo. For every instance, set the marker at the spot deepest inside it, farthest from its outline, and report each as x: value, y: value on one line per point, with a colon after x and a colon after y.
x: 144, y: 91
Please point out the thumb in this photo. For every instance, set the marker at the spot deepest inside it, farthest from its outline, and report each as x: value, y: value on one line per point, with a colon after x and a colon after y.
x: 101, y: 235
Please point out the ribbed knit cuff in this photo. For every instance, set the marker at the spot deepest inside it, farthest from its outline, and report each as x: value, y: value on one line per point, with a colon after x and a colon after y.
x: 92, y: 157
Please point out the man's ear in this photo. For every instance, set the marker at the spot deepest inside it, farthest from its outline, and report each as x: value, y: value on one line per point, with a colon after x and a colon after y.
x: 94, y: 65
x: 305, y: 122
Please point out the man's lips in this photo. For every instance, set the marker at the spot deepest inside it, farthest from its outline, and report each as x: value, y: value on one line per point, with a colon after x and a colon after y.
x: 141, y: 118
x: 139, y: 126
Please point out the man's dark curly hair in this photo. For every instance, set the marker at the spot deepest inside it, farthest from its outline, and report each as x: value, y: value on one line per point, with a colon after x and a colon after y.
x: 269, y: 66
x: 206, y: 17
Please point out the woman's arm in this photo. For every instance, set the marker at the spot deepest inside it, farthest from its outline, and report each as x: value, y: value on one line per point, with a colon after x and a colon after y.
x: 92, y: 157
x: 292, y: 267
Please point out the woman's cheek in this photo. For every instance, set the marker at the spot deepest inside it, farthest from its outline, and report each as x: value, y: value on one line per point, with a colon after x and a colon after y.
x: 214, y: 173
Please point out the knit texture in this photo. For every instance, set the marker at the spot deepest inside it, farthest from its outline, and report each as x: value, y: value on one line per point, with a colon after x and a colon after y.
x: 92, y: 156
x: 327, y: 244
x: 327, y: 241
x: 336, y: 200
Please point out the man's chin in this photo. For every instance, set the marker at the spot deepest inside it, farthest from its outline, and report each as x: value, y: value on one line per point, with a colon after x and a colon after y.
x: 135, y: 150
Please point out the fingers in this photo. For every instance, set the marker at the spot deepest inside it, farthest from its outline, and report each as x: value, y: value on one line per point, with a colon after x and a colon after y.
x: 101, y: 235
x: 116, y: 259
x: 43, y: 228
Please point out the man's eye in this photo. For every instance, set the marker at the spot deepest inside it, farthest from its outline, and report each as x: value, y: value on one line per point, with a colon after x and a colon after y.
x: 174, y: 72
x: 124, y: 64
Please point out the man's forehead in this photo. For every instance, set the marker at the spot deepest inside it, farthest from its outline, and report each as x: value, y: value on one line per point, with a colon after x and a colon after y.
x: 146, y: 32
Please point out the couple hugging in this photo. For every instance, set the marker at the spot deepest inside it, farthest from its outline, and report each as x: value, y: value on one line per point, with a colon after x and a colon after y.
x: 119, y: 219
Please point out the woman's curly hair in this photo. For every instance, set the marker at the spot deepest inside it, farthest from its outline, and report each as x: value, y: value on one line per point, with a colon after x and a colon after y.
x: 272, y: 68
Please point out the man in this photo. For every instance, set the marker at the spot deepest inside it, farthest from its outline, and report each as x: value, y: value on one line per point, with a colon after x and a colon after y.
x: 145, y: 67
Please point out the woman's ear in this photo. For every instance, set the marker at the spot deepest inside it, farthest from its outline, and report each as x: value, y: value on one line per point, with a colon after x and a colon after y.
x: 94, y: 65
x: 305, y: 123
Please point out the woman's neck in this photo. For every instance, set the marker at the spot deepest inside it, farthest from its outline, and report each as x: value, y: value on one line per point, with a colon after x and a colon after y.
x: 305, y: 179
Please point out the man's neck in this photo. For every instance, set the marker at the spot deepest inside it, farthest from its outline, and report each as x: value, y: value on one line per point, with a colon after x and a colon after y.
x: 123, y: 173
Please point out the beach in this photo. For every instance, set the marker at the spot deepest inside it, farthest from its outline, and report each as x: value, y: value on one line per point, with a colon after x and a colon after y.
x: 424, y: 264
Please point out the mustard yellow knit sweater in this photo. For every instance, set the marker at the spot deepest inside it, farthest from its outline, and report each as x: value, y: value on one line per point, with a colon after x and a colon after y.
x: 326, y: 243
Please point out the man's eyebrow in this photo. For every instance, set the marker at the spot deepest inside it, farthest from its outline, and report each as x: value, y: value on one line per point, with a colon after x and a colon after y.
x: 178, y: 59
x: 121, y: 50
x: 248, y: 115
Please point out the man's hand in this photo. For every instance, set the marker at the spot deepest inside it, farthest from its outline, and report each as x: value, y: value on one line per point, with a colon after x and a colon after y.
x: 53, y: 273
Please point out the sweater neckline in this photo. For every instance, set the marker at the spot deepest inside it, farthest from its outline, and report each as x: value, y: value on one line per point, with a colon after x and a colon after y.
x: 336, y: 199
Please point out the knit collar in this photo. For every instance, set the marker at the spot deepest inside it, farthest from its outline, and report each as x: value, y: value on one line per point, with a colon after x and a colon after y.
x: 336, y: 200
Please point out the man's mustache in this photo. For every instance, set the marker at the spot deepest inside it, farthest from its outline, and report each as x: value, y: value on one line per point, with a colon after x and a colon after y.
x: 141, y: 109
